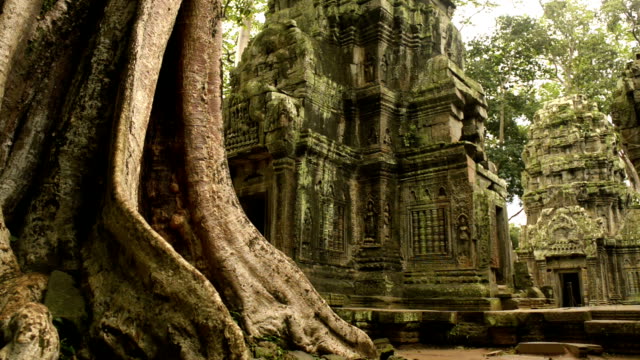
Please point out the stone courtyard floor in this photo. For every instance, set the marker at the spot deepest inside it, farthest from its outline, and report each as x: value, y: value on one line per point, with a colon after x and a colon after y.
x: 423, y: 352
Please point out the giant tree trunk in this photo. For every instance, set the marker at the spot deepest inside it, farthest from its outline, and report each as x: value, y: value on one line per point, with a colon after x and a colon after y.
x: 112, y: 168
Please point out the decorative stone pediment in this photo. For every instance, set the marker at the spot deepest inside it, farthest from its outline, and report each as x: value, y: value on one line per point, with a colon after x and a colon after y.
x: 564, y: 231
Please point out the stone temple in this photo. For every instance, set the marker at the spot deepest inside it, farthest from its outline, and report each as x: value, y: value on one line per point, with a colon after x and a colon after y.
x: 581, y: 240
x: 355, y: 143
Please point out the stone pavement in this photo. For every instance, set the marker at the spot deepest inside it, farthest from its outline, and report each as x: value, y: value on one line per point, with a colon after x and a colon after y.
x: 615, y: 328
x: 423, y: 352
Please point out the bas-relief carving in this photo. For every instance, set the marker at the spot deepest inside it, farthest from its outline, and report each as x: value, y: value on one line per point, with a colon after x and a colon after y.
x: 370, y: 223
x: 306, y: 239
x: 632, y: 273
x: 429, y: 221
x: 240, y: 130
x: 384, y: 67
x: 369, y: 68
x: 329, y: 240
x: 282, y: 111
x: 386, y: 223
x: 466, y: 246
x: 372, y: 138
x: 429, y: 231
x: 387, y: 137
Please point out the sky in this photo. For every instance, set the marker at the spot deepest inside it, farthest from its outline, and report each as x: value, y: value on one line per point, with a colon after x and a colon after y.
x: 484, y: 22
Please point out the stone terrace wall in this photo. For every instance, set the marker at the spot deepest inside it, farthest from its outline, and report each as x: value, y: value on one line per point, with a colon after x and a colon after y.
x: 617, y: 329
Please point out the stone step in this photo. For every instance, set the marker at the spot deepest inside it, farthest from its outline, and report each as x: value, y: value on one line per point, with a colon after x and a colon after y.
x: 615, y: 314
x: 613, y: 327
x: 558, y: 348
x: 615, y: 335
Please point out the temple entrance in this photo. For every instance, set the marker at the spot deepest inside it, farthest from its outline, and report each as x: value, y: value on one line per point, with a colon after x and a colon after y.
x: 499, y: 244
x: 571, y: 294
x: 255, y: 206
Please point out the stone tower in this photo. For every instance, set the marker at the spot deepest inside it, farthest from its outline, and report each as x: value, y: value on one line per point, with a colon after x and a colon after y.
x: 355, y: 142
x: 578, y: 242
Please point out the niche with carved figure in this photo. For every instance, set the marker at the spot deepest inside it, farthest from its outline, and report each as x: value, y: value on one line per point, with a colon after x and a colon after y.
x: 307, y: 236
x: 333, y: 230
x: 370, y: 224
x: 465, y: 245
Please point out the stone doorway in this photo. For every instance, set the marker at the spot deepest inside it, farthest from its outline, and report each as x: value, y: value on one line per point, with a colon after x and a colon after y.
x: 255, y: 206
x: 571, y: 293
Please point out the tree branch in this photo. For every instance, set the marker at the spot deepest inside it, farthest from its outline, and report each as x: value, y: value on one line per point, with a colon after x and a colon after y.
x: 516, y: 214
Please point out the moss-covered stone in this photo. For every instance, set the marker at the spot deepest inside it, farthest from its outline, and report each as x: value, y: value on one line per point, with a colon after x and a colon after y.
x: 363, y: 154
x: 576, y: 203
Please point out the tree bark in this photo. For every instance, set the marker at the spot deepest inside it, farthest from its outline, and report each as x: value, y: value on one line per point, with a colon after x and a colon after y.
x: 119, y: 177
x: 243, y: 38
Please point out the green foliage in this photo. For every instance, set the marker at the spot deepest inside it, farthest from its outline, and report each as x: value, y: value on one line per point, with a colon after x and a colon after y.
x: 584, y: 54
x: 69, y: 338
x: 236, y: 316
x: 514, y: 234
x: 508, y: 159
x: 623, y: 17
x: 46, y: 6
x: 238, y: 14
x: 473, y: 8
x: 527, y: 61
x: 507, y: 64
x: 271, y: 338
x: 275, y: 352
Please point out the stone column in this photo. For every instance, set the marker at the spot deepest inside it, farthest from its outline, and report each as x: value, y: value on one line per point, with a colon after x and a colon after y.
x: 282, y: 206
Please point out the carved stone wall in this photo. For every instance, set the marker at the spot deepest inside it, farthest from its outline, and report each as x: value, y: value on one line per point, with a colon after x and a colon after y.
x: 580, y: 242
x: 355, y: 125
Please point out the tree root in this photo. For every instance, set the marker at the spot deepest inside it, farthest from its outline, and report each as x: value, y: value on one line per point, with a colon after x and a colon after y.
x: 272, y: 294
x: 162, y: 299
x: 163, y: 306
x: 147, y: 300
x: 26, y: 328
x: 30, y: 334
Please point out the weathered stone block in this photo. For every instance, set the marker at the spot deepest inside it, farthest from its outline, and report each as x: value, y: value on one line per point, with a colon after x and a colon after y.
x: 298, y: 355
x: 404, y: 337
x: 567, y: 316
x: 333, y: 357
x: 612, y: 327
x: 439, y: 316
x: 541, y: 348
x: 64, y: 299
x: 503, y: 336
x: 501, y: 319
x: 558, y: 348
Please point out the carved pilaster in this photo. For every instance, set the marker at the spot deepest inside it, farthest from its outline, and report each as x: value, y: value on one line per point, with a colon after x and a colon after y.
x: 283, y: 234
